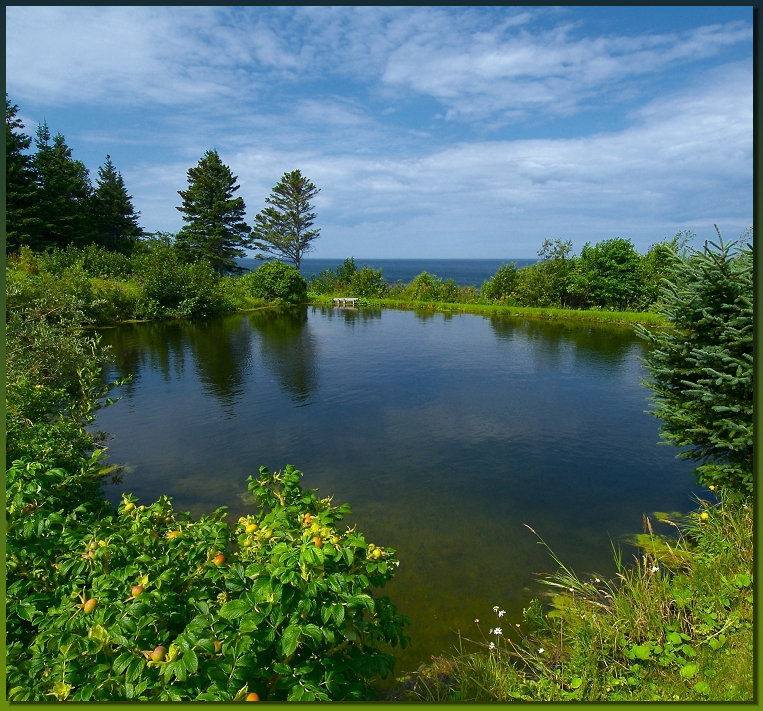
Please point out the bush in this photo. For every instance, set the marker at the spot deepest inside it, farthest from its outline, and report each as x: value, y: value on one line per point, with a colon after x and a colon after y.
x: 500, y: 287
x: 702, y: 365
x: 276, y: 281
x: 148, y: 604
x: 367, y: 283
x: 173, y: 287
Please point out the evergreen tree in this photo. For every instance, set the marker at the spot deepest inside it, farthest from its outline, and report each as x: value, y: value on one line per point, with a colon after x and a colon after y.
x: 702, y: 364
x: 283, y: 230
x: 114, y: 217
x: 215, y: 228
x: 65, y: 191
x: 22, y: 223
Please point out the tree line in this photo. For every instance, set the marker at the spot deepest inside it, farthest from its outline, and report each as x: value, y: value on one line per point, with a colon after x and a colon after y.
x: 52, y: 203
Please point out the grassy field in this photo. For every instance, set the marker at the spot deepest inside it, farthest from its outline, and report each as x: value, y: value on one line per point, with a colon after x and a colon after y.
x: 646, y: 318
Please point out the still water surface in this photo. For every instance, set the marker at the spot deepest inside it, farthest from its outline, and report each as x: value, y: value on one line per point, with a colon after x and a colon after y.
x: 446, y: 433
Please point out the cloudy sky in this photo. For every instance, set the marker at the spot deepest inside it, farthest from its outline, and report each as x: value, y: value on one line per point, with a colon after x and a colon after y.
x: 431, y: 131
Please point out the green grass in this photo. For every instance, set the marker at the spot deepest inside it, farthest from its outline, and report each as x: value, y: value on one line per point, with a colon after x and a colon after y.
x: 646, y: 318
x: 676, y: 624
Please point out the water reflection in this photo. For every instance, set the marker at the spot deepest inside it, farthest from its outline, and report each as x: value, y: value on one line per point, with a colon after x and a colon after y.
x: 287, y: 349
x: 445, y: 433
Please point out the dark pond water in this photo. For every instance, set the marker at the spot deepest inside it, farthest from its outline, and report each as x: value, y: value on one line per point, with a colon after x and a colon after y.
x: 446, y: 433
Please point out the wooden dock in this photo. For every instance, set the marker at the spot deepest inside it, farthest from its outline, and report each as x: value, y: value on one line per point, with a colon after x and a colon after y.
x: 346, y: 301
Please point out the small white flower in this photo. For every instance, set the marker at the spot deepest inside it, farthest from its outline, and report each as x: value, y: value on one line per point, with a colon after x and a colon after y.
x: 516, y: 624
x: 495, y: 608
x: 497, y: 630
x: 597, y: 580
x: 540, y: 650
x: 491, y: 645
x: 572, y: 589
x: 654, y: 568
x: 477, y: 620
x: 501, y: 613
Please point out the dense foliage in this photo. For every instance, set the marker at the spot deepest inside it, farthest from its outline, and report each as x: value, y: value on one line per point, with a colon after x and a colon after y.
x: 284, y: 229
x: 276, y: 281
x: 701, y: 367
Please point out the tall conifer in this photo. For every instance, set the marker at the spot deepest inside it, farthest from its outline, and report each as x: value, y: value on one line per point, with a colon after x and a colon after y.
x: 215, y: 228
x: 65, y: 191
x: 114, y: 217
x: 284, y: 229
x: 22, y: 222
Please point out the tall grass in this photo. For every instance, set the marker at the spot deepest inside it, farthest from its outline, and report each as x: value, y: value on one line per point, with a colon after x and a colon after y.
x: 674, y: 624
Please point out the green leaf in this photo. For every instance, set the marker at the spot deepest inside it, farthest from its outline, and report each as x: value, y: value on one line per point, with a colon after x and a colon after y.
x: 191, y: 661
x: 576, y: 682
x: 281, y: 668
x: 251, y: 621
x: 290, y: 640
x: 122, y: 662
x: 314, y: 632
x: 674, y: 638
x: 234, y: 609
x: 134, y: 670
x: 642, y: 651
x: 688, y: 671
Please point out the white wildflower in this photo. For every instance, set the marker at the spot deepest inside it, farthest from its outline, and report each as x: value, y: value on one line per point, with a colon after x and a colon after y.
x: 501, y: 613
x: 495, y: 608
x: 497, y: 630
x: 541, y: 650
x: 491, y: 645
x: 655, y: 568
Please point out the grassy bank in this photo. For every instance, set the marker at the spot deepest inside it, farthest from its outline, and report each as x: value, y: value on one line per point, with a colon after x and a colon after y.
x: 675, y: 624
x: 646, y: 318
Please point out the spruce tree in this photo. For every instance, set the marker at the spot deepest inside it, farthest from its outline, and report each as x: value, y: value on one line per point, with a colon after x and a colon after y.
x: 701, y: 365
x: 215, y: 229
x: 65, y: 191
x: 22, y: 222
x: 114, y: 217
x: 283, y: 229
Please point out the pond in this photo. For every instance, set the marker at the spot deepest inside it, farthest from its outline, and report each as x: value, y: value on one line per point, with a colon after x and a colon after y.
x: 446, y: 434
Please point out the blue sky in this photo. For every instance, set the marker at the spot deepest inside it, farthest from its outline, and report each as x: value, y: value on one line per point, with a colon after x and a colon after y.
x: 432, y: 131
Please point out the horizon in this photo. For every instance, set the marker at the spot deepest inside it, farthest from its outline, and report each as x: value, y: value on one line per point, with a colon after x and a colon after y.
x: 428, y: 129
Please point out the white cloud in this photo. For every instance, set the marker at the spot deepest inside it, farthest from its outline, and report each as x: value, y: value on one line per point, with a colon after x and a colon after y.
x: 355, y: 97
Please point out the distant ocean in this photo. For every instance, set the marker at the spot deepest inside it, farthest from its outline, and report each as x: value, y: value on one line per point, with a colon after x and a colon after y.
x: 464, y: 272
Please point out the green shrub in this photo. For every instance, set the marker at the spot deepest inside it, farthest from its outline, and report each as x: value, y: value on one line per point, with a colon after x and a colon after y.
x: 702, y: 365
x: 183, y: 613
x: 276, y: 281
x: 173, y: 287
x: 500, y: 287
x: 367, y: 283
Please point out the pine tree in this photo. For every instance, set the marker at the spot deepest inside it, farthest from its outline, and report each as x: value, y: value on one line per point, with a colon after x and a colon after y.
x: 215, y: 228
x: 22, y: 222
x: 114, y: 217
x: 283, y: 230
x: 65, y: 190
x: 702, y: 364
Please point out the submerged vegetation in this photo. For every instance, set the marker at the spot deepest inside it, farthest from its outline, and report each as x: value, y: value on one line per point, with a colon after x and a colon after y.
x: 676, y: 624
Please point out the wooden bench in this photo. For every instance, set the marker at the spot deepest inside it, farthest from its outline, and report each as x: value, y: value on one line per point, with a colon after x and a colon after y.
x: 346, y: 301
